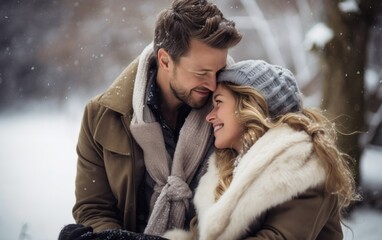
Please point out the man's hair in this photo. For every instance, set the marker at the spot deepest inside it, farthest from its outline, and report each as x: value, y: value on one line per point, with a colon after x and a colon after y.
x: 193, y: 19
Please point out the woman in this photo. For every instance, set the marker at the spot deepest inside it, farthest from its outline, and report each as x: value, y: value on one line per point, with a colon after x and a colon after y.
x: 277, y: 173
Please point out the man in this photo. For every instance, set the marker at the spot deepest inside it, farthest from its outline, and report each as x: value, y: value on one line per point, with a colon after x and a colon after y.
x: 143, y: 141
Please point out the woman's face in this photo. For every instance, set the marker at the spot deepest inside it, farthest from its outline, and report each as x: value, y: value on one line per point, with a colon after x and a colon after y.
x: 228, y: 130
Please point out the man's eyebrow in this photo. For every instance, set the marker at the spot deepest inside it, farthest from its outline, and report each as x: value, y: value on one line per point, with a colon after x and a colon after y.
x: 208, y: 70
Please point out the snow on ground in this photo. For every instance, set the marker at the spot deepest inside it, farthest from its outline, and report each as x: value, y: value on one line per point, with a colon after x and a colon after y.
x: 37, y: 171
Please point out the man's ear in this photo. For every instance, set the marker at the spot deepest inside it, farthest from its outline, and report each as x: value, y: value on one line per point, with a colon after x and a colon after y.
x: 164, y: 59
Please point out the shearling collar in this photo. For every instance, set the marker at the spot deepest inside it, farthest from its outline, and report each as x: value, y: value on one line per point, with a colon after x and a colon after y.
x: 278, y: 167
x: 118, y: 97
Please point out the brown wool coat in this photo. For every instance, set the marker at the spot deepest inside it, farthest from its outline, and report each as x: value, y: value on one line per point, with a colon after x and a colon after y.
x: 110, y: 164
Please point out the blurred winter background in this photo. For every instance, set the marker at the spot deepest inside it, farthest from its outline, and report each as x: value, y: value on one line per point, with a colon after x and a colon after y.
x: 55, y: 55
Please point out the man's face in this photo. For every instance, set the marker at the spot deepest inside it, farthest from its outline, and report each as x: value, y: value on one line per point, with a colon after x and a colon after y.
x: 194, y: 77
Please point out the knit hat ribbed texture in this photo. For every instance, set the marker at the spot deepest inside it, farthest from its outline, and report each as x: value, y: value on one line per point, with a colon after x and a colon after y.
x: 275, y: 83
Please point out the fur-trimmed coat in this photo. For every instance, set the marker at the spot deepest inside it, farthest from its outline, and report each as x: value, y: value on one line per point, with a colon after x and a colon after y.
x: 276, y: 193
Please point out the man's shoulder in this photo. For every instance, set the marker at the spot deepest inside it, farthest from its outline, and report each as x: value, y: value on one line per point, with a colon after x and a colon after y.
x: 118, y: 96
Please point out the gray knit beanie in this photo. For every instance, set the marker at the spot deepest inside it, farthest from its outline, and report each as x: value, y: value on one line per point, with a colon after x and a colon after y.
x: 276, y: 84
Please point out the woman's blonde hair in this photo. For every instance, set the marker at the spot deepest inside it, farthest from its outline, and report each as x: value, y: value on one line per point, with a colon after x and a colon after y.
x: 252, y: 111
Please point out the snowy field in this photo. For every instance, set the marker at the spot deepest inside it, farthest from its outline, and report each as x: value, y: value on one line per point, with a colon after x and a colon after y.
x: 37, y: 171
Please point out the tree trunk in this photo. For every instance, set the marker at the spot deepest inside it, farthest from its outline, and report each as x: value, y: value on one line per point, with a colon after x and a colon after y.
x: 343, y: 62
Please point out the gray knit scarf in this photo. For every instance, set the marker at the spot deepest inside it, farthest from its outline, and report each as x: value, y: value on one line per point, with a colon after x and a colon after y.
x: 172, y: 195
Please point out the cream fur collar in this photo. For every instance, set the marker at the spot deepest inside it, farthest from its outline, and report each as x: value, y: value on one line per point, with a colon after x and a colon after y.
x: 277, y: 168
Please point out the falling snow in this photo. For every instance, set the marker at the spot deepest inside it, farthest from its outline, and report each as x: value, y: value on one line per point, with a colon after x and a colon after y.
x: 38, y: 157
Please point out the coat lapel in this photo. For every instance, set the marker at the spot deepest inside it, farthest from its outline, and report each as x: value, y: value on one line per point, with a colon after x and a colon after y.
x: 117, y: 100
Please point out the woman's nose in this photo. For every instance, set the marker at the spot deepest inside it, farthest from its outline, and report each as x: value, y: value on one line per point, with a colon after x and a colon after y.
x: 210, y: 116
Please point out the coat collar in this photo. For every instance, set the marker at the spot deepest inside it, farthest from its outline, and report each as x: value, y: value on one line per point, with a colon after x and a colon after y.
x: 118, y: 97
x: 278, y: 167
